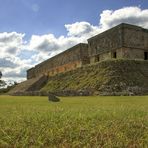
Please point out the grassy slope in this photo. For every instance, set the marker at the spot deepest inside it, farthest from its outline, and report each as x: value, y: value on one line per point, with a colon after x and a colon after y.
x: 74, y: 122
x: 107, y: 78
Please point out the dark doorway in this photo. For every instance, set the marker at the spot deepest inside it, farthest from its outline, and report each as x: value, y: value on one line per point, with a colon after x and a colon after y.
x: 145, y: 55
x: 114, y: 55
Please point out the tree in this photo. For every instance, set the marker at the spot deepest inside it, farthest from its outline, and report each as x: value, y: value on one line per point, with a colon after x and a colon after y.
x: 0, y: 74
x: 2, y: 83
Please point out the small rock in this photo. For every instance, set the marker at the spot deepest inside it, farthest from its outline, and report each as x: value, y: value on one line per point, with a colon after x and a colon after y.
x: 53, y: 98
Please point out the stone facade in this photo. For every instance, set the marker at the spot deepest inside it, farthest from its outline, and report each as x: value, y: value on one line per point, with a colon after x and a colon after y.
x: 123, y: 41
x: 68, y: 60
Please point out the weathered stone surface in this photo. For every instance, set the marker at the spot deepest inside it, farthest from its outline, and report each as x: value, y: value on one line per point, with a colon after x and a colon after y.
x: 128, y: 41
x: 65, y: 61
x: 106, y: 41
x: 53, y: 98
x: 112, y: 77
x: 29, y: 87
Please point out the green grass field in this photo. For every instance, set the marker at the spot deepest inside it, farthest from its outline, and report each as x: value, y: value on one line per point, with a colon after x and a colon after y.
x: 74, y: 122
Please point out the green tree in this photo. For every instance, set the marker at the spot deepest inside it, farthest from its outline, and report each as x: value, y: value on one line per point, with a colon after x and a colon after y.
x: 0, y: 74
x: 2, y: 83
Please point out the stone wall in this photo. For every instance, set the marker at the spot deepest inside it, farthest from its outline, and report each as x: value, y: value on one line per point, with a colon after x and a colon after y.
x: 110, y: 77
x: 125, y: 41
x: 132, y: 53
x: 122, y: 53
x: 65, y: 61
x: 64, y: 68
x: 106, y: 41
x: 31, y: 73
x: 135, y: 37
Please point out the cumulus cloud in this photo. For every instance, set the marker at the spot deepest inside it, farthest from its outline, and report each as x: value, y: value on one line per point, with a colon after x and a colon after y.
x: 80, y: 29
x: 11, y: 37
x: 15, y: 70
x: 41, y: 47
x: 44, y: 43
x: 131, y: 15
x: 11, y: 46
x: 11, y: 43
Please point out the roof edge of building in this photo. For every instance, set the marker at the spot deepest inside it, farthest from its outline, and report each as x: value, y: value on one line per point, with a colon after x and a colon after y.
x: 77, y: 45
x: 122, y: 25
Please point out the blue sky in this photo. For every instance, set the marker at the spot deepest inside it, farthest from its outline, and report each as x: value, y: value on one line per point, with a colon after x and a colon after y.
x: 32, y: 31
x: 44, y: 16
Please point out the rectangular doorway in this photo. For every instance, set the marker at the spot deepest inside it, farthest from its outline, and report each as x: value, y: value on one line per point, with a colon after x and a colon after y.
x: 114, y: 55
x: 145, y: 55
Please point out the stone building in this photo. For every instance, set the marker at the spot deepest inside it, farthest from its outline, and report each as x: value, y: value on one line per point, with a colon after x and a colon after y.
x: 123, y: 41
x: 68, y: 60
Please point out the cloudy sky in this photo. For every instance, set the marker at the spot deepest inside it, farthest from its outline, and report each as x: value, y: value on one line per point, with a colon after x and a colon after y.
x: 33, y: 30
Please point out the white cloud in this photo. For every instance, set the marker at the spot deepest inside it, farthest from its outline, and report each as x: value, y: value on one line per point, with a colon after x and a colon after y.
x: 131, y: 15
x: 12, y: 45
x: 80, y: 29
x: 44, y: 43
x: 11, y: 37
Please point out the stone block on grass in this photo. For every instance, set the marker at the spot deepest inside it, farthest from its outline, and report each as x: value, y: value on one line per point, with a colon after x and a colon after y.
x: 53, y: 98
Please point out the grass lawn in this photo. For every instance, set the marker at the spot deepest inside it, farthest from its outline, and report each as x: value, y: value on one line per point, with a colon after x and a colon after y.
x: 74, y: 122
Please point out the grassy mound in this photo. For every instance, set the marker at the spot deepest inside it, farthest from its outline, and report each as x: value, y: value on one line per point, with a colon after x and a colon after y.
x: 112, y: 77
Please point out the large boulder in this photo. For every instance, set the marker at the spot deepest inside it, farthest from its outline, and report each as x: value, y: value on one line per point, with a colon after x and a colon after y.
x: 53, y: 98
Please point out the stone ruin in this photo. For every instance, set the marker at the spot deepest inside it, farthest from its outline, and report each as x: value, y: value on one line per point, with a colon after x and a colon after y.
x: 123, y: 41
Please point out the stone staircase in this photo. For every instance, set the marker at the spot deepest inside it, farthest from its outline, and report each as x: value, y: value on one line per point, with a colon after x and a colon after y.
x: 29, y: 85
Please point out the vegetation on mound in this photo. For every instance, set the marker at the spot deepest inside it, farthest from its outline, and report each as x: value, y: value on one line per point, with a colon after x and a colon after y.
x: 74, y: 122
x: 112, y: 77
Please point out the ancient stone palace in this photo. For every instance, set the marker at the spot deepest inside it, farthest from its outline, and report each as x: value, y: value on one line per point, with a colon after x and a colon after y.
x: 124, y: 41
